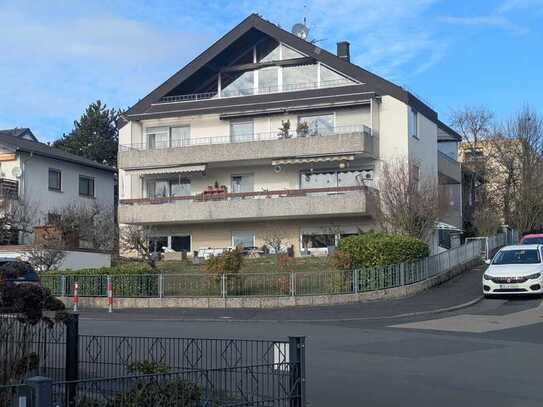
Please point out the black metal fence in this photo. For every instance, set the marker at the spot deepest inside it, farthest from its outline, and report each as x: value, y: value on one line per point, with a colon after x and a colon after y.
x: 91, y: 370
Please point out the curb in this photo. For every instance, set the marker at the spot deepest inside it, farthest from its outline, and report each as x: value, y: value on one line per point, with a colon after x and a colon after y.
x: 232, y: 319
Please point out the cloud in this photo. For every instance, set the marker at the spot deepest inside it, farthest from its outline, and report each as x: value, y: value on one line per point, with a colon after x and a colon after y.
x: 485, y: 21
x: 514, y: 5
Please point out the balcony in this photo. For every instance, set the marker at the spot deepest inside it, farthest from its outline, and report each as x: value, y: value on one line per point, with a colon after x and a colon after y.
x: 249, y: 206
x: 341, y: 140
x: 9, y: 189
x: 289, y: 87
x: 450, y: 170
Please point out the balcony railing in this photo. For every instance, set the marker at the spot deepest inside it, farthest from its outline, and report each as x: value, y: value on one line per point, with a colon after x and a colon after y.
x: 264, y: 136
x: 263, y: 90
x: 9, y: 189
x: 219, y: 195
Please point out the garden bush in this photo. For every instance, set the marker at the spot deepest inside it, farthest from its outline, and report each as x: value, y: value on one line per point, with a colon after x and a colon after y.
x: 379, y: 249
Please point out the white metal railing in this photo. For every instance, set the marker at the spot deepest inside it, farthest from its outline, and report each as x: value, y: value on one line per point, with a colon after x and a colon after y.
x: 260, y: 90
x: 247, y: 138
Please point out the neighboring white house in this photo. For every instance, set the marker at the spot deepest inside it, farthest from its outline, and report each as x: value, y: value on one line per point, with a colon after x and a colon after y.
x: 48, y: 179
x: 266, y: 131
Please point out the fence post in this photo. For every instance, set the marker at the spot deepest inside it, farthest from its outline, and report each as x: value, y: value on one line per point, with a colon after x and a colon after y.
x: 41, y: 388
x: 296, y: 359
x: 63, y: 286
x: 402, y: 274
x: 160, y: 285
x: 292, y: 276
x: 223, y: 283
x: 76, y: 297
x: 72, y: 358
x: 109, y: 294
x: 355, y: 281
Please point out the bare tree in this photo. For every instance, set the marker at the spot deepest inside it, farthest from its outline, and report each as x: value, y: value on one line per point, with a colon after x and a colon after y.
x: 16, y: 217
x: 135, y: 238
x: 274, y: 237
x: 407, y: 203
x: 517, y: 156
x: 88, y: 223
x: 46, y: 257
x: 475, y: 125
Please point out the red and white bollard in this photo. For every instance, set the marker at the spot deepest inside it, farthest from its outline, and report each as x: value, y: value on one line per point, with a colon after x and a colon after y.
x: 109, y: 294
x: 76, y: 297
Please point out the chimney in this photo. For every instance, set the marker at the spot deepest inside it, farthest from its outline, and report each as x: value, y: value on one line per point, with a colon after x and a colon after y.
x: 343, y: 50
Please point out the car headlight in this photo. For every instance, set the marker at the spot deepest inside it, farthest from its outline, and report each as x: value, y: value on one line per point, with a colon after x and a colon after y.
x: 533, y: 276
x: 487, y: 277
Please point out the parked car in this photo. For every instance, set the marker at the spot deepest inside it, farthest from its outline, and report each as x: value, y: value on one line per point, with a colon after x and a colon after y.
x: 515, y: 270
x: 535, y: 238
x: 14, y: 271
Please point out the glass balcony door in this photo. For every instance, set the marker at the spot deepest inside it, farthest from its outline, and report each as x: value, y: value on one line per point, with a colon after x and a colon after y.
x: 241, y: 131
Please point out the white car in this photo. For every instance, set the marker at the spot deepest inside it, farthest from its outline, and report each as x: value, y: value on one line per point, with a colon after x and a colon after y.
x: 515, y: 270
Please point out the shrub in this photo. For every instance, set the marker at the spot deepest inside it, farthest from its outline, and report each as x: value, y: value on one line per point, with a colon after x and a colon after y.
x: 229, y: 263
x: 379, y: 249
x: 147, y: 367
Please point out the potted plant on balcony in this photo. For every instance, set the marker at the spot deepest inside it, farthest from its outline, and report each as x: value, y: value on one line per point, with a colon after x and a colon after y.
x: 284, y: 130
x: 302, y: 129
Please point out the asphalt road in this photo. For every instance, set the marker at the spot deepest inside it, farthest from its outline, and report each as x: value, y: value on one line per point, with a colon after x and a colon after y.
x: 487, y: 354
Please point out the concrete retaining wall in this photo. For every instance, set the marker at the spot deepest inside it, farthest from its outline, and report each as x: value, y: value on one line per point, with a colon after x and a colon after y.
x: 272, y: 302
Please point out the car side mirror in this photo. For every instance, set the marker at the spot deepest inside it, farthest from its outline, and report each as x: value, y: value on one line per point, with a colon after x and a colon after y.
x: 488, y: 261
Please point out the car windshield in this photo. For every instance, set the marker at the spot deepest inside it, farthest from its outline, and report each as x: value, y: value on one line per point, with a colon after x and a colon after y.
x: 533, y: 240
x: 517, y: 256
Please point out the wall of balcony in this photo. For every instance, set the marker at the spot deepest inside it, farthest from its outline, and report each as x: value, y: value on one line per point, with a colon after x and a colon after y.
x: 349, y: 142
x: 450, y: 170
x: 337, y: 202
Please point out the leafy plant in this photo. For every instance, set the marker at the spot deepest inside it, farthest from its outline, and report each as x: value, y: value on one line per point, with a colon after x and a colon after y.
x: 379, y: 249
x: 147, y: 367
x: 284, y: 130
x: 302, y: 129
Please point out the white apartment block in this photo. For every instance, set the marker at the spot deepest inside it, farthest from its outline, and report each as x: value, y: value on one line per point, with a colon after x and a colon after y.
x: 265, y: 131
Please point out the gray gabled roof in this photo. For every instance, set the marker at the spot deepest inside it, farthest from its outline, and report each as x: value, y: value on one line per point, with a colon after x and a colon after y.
x: 18, y: 132
x: 371, y: 82
x: 445, y: 133
x: 35, y: 147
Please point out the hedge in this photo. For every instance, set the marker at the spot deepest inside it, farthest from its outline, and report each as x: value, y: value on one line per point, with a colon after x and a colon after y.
x: 379, y: 249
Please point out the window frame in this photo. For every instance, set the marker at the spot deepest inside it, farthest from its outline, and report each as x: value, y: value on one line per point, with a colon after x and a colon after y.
x: 87, y: 178
x: 244, y: 232
x: 413, y: 123
x: 59, y: 172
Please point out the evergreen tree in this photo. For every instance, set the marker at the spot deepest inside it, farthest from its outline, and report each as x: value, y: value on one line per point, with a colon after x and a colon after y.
x: 95, y: 136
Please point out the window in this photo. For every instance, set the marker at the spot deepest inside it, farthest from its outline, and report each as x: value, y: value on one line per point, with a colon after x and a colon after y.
x: 268, y: 51
x: 331, y: 78
x: 86, y: 186
x: 241, y: 131
x: 318, y: 241
x: 268, y: 80
x: 180, y: 243
x: 318, y: 125
x: 180, y: 136
x: 55, y: 180
x: 517, y: 256
x: 335, y: 178
x: 243, y: 239
x: 242, y: 183
x: 241, y: 85
x: 413, y: 123
x: 53, y: 218
x: 289, y: 53
x: 158, y: 244
x: 299, y: 77
x: 157, y: 137
x: 160, y: 188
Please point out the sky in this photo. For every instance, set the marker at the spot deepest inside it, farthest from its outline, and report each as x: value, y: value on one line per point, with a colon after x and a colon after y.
x: 56, y: 57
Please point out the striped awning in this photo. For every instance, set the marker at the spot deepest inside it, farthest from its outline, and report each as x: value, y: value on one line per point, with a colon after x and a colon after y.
x: 321, y: 159
x: 170, y: 170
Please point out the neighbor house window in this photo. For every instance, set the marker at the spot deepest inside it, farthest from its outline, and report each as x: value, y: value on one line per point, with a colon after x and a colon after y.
x: 158, y: 244
x: 55, y: 180
x: 243, y: 239
x: 160, y: 188
x: 412, y: 123
x: 180, y: 136
x: 86, y: 186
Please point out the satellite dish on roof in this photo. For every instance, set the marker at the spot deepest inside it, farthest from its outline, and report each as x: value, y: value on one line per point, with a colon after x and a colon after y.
x: 16, y: 172
x: 300, y: 30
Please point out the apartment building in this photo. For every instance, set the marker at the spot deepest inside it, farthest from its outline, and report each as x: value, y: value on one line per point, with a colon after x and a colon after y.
x: 266, y: 132
x: 47, y: 179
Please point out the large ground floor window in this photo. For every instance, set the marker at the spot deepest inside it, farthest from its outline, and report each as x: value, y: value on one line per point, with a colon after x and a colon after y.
x: 176, y: 243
